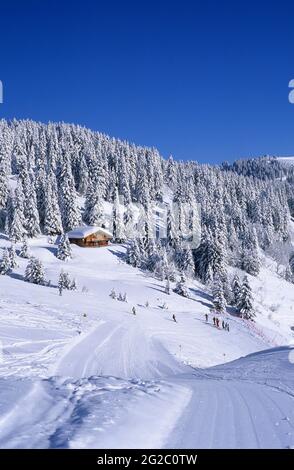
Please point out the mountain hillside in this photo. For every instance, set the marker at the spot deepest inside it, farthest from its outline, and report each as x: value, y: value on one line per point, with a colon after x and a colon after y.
x: 182, y: 327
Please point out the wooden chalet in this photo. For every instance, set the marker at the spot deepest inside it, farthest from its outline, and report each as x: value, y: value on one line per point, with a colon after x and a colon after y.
x: 89, y: 236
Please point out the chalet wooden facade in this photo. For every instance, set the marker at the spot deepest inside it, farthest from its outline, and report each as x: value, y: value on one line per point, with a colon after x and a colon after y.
x: 89, y: 236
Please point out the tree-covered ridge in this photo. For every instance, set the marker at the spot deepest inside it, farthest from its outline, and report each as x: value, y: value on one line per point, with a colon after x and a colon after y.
x: 245, y: 207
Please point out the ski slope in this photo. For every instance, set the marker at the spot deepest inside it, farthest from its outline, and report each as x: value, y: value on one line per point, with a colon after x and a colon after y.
x: 81, y: 371
x: 208, y: 408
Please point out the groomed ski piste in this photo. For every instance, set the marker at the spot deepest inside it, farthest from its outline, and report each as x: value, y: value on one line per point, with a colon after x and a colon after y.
x: 81, y: 371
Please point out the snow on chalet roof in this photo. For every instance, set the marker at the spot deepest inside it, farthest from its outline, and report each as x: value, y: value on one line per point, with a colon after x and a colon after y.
x: 86, y: 230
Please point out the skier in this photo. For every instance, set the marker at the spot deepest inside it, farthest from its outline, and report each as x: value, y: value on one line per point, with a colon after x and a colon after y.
x: 227, y: 327
x: 174, y: 318
x: 60, y: 290
x: 134, y: 311
x: 214, y: 321
x: 223, y: 325
x: 217, y: 322
x: 206, y: 317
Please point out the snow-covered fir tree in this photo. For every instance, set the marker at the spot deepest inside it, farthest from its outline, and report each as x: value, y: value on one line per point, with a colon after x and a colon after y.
x: 24, y: 250
x: 15, y: 215
x: 4, y: 189
x: 31, y: 214
x: 5, y: 263
x: 52, y: 215
x: 134, y: 255
x: 245, y: 302
x: 117, y: 222
x: 219, y: 300
x: 236, y: 289
x: 64, y: 251
x: 64, y: 280
x: 181, y: 287
x: 12, y: 256
x: 34, y: 272
x: 70, y: 211
x: 93, y: 214
x: 171, y: 234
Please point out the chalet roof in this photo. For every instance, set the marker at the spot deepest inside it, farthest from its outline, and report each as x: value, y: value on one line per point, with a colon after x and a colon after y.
x: 86, y: 230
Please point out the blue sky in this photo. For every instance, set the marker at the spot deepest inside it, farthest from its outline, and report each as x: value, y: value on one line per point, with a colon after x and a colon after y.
x: 198, y: 80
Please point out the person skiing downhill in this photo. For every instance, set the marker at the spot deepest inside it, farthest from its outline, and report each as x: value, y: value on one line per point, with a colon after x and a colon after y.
x: 214, y: 321
x: 174, y: 318
x: 223, y: 325
x: 206, y: 317
x: 217, y: 322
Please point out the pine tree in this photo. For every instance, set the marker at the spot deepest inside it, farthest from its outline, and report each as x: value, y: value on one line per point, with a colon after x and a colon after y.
x: 128, y: 221
x: 24, y: 251
x: 209, y: 258
x: 171, y: 234
x: 226, y: 286
x: 184, y: 259
x: 181, y: 288
x: 15, y: 215
x: 3, y: 182
x: 31, y: 214
x: 161, y: 267
x: 52, y: 216
x: 5, y: 264
x: 250, y: 261
x: 142, y: 191
x: 93, y: 206
x: 16, y: 229
x: 219, y: 301
x: 288, y: 274
x: 133, y: 255
x: 35, y: 272
x: 236, y: 289
x: 12, y: 256
x: 245, y: 303
x: 64, y: 249
x: 117, y: 224
x: 70, y: 211
x: 64, y: 281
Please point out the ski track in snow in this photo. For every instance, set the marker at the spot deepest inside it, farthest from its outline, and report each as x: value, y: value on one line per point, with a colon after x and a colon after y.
x: 127, y: 381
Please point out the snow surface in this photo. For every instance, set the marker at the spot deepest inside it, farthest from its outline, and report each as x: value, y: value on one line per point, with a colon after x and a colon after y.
x: 112, y: 379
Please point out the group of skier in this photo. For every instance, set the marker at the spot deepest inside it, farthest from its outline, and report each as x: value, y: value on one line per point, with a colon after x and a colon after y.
x: 217, y: 323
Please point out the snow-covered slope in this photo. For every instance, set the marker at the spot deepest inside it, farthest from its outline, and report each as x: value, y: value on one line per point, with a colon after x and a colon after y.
x: 40, y: 329
x: 97, y: 376
x: 244, y: 404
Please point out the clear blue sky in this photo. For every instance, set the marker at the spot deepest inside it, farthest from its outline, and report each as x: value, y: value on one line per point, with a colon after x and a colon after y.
x: 199, y: 80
